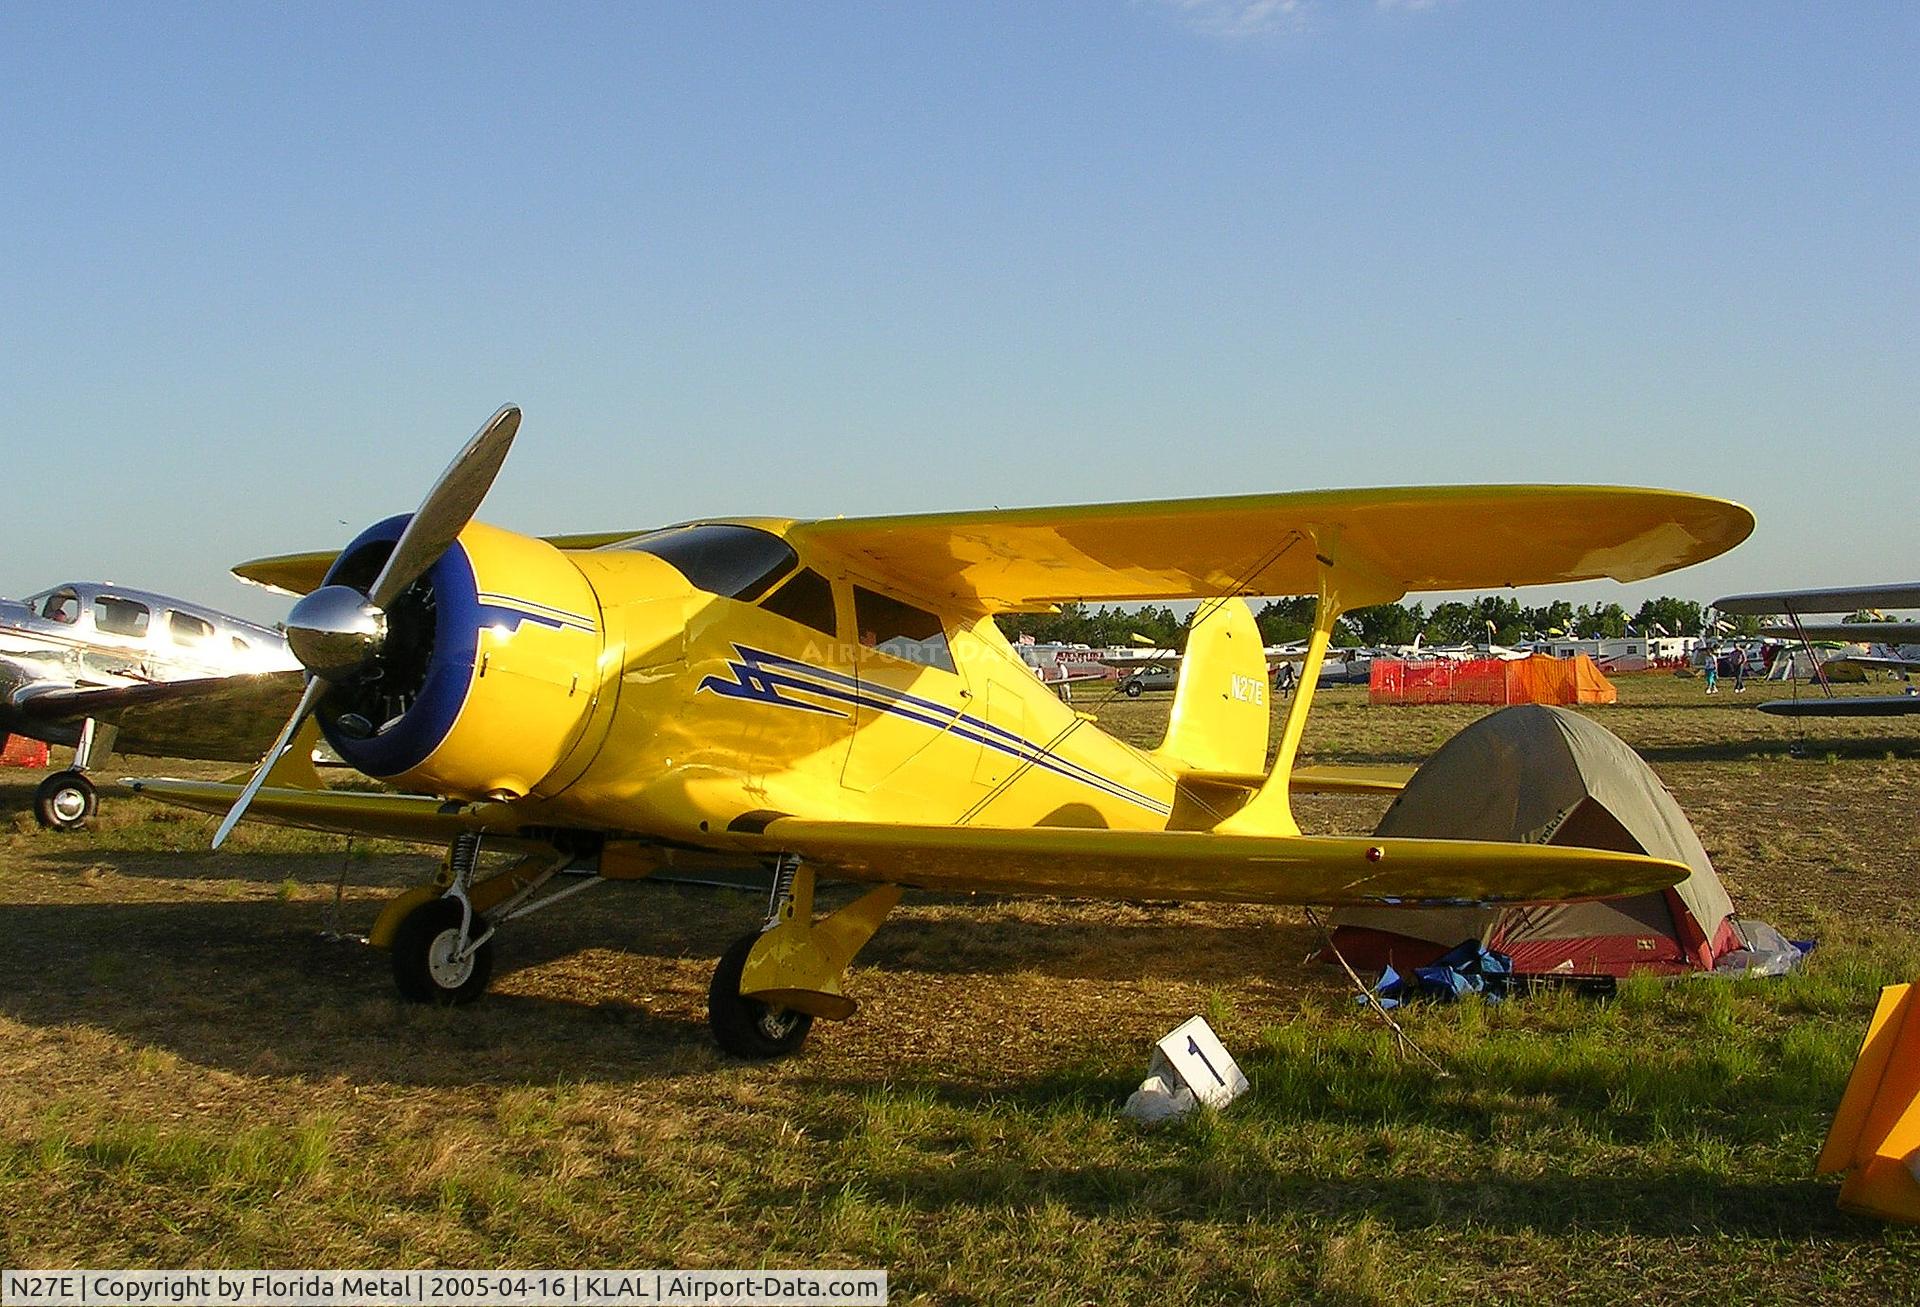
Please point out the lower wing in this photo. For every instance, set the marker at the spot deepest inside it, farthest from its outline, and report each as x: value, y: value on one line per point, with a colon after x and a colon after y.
x: 219, y: 718
x: 1319, y: 869
x: 1874, y: 663
x: 344, y: 812
x: 1052, y: 861
x: 1852, y: 705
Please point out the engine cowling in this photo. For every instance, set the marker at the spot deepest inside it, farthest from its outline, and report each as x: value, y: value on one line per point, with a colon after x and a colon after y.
x: 487, y: 673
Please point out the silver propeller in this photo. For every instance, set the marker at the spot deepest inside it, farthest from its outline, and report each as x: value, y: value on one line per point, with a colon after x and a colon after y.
x: 448, y: 507
x: 337, y: 631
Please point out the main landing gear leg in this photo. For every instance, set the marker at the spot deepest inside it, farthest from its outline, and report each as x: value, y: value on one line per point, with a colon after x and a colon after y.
x: 770, y: 985
x: 67, y: 799
x: 441, y: 933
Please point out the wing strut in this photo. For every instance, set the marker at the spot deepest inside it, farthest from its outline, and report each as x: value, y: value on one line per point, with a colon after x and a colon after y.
x: 1346, y: 582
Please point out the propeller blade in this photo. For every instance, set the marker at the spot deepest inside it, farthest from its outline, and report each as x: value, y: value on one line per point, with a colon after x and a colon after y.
x: 315, y: 688
x: 448, y: 507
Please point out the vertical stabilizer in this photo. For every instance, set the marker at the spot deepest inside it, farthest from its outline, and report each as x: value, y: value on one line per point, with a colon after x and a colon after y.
x: 1220, y: 707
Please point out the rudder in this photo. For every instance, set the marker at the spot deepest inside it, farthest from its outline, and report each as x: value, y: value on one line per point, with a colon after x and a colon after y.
x: 1221, y: 712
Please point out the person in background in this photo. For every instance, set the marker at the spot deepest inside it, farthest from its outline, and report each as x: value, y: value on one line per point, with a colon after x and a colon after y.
x: 1712, y: 669
x: 1739, y: 661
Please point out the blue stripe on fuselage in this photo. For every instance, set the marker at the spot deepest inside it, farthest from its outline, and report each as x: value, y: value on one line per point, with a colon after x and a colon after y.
x: 760, y: 676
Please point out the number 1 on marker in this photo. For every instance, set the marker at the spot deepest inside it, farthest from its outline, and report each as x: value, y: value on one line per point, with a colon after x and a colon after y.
x: 1193, y: 1047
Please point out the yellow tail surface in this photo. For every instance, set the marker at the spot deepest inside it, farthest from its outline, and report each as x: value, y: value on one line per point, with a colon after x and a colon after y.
x: 1220, y: 706
x: 1875, y: 1137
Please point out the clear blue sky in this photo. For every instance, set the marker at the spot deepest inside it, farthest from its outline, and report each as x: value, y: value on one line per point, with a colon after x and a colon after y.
x: 266, y: 266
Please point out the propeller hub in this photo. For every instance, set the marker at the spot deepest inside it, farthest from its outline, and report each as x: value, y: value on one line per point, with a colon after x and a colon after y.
x: 335, y: 632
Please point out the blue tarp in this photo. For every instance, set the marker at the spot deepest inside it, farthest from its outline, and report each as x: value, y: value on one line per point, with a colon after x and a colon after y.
x: 1467, y: 968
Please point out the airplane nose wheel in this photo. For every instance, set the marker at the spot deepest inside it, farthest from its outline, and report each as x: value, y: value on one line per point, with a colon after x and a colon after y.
x: 746, y: 1027
x: 427, y: 963
x: 65, y: 800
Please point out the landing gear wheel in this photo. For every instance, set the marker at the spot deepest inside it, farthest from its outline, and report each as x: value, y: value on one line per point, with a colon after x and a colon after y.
x: 65, y: 801
x: 746, y: 1027
x: 424, y: 966
x: 1133, y: 689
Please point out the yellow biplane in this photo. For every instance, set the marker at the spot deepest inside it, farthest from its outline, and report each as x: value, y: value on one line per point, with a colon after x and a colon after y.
x: 833, y: 698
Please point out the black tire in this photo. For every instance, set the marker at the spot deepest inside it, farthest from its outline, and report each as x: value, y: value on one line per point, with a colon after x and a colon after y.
x: 65, y: 800
x: 1133, y: 689
x: 746, y: 1027
x: 422, y: 968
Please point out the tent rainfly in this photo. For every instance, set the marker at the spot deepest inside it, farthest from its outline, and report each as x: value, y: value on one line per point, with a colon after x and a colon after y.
x: 1545, y: 775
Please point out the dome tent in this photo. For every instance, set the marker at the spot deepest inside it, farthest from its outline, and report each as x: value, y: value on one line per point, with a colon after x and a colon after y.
x: 1545, y: 775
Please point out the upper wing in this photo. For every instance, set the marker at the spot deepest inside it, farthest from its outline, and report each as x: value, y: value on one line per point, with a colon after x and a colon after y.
x: 222, y: 718
x: 1416, y: 537
x: 1845, y: 599
x: 1314, y: 869
x: 302, y: 573
x: 1851, y: 632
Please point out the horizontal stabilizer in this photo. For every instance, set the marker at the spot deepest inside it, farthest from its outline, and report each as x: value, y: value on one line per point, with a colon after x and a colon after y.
x: 1842, y: 599
x: 1335, y: 778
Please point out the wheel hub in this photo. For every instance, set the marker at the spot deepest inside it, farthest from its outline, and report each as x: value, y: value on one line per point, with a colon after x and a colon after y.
x: 776, y: 1022
x: 444, y: 963
x: 69, y: 803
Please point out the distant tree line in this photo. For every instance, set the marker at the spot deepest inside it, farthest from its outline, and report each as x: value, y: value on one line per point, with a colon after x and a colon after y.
x: 1284, y: 620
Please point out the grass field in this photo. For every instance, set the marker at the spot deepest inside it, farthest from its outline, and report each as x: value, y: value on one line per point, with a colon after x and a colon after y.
x: 192, y: 1073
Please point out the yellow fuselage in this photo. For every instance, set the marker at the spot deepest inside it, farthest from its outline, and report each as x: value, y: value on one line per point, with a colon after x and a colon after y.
x: 680, y: 714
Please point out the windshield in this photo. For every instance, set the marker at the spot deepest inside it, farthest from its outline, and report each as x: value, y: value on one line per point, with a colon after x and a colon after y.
x: 722, y: 558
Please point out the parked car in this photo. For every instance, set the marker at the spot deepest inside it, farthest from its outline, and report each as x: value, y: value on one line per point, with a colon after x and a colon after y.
x: 1134, y: 684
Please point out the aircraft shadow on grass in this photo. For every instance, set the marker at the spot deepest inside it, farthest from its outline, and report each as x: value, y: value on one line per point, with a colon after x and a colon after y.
x: 245, y: 984
x: 380, y: 871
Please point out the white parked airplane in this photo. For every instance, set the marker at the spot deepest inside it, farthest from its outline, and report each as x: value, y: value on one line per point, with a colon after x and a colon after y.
x: 1842, y: 599
x: 101, y: 667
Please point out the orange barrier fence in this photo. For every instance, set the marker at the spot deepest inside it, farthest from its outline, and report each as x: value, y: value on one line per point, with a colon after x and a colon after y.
x: 1538, y: 679
x: 19, y: 751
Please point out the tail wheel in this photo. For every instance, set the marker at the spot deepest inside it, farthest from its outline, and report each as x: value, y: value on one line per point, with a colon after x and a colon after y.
x: 746, y: 1027
x: 65, y: 801
x: 427, y: 967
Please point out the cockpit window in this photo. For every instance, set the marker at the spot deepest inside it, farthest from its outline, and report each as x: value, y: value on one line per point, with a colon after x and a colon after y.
x: 806, y: 599
x: 241, y: 646
x: 120, y: 616
x: 722, y: 558
x: 901, y: 630
x: 61, y: 606
x: 184, y: 629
